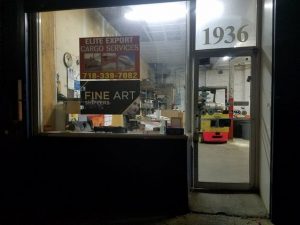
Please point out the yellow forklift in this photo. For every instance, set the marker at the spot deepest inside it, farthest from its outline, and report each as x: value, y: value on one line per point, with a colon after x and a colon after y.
x: 214, y: 117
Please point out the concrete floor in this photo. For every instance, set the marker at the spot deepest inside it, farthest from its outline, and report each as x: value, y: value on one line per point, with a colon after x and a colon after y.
x: 224, y: 163
x: 213, y: 209
x: 187, y: 219
x: 241, y: 205
x: 203, y: 219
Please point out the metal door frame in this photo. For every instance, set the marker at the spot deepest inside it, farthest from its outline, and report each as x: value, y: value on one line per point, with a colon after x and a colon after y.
x: 254, y: 112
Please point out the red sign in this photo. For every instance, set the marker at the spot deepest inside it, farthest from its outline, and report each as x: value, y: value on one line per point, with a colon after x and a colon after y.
x: 110, y: 57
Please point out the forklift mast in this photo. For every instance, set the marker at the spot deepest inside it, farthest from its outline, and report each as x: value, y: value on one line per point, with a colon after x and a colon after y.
x: 212, y: 90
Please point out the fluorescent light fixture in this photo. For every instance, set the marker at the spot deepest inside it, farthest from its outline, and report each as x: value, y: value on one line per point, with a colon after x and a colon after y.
x: 239, y: 44
x: 155, y: 13
x: 225, y: 58
x: 207, y: 10
x: 268, y: 5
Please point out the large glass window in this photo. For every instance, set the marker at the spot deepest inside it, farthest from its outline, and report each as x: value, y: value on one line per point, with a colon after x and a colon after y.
x: 114, y: 69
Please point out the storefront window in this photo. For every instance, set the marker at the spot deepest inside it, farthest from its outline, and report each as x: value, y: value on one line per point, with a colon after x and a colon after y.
x: 114, y: 69
x: 225, y: 23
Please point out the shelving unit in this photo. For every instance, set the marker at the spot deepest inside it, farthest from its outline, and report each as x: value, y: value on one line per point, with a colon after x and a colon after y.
x: 148, y: 96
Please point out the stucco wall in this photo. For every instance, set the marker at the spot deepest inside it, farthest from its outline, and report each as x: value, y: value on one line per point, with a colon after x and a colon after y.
x: 265, y: 99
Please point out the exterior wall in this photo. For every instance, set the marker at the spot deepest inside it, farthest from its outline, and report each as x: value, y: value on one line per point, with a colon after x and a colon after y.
x: 265, y: 99
x: 285, y: 124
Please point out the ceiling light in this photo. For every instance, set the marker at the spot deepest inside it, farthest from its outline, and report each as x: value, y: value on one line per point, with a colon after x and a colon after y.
x: 225, y: 58
x: 154, y: 13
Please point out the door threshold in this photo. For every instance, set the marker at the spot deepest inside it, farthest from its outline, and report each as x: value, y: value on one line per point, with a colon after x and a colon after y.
x: 234, y: 204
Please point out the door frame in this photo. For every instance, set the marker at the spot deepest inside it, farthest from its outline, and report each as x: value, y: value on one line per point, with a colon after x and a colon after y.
x: 254, y: 111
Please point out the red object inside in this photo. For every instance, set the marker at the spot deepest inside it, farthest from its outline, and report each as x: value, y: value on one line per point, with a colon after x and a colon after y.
x: 215, y: 136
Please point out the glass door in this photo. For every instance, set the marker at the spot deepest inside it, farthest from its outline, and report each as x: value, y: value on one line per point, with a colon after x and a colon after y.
x: 225, y: 120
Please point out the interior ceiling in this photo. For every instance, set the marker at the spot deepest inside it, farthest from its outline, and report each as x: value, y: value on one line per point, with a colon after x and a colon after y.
x: 159, y: 42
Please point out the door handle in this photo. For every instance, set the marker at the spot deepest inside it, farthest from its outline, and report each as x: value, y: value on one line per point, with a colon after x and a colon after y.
x: 20, y: 101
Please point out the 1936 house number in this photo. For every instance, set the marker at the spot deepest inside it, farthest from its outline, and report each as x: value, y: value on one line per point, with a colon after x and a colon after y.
x: 229, y: 33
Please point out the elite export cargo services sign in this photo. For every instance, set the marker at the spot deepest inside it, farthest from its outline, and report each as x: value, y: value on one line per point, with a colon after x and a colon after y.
x: 110, y: 57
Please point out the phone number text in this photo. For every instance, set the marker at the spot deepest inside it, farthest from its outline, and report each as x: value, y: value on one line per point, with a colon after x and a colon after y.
x: 110, y: 75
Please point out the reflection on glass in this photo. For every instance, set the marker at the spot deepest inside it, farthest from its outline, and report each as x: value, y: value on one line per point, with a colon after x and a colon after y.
x: 126, y: 73
x: 164, y: 12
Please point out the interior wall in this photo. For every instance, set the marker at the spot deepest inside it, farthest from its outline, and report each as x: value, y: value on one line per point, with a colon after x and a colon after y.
x: 265, y: 99
x: 69, y: 26
x: 241, y: 86
x: 48, y: 70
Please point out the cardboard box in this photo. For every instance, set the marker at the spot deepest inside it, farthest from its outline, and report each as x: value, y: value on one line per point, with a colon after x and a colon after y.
x: 173, y: 113
x: 72, y: 107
